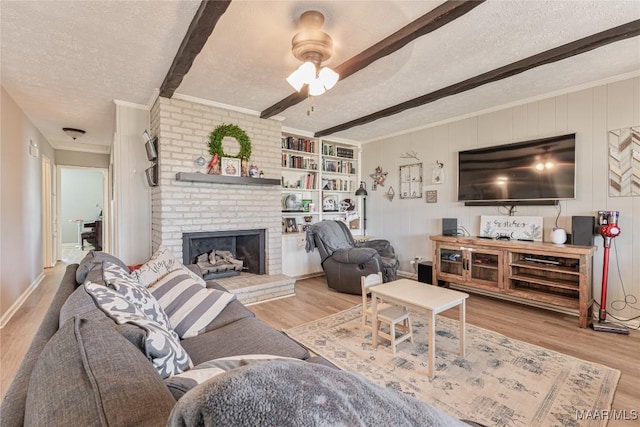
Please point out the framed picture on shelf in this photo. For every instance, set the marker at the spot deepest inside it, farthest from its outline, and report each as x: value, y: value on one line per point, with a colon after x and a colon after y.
x: 305, y: 204
x: 292, y: 202
x: 330, y: 166
x: 230, y: 166
x: 291, y: 226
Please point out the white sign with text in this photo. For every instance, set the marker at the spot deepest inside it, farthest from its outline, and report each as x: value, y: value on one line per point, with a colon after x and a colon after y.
x: 513, y: 227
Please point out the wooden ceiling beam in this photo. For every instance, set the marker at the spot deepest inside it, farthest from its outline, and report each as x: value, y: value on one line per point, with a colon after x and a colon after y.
x: 431, y: 21
x: 201, y: 27
x: 621, y: 32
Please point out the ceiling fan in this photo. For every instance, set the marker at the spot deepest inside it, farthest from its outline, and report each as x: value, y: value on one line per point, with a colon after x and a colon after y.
x: 312, y: 46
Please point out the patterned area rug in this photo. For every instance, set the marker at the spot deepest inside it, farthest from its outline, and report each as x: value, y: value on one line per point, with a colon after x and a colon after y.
x: 501, y: 382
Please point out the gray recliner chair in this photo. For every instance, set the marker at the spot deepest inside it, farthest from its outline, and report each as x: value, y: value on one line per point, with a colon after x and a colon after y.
x: 344, y: 261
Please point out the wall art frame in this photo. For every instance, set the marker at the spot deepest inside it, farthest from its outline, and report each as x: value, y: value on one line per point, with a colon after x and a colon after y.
x: 411, y: 181
x: 624, y: 162
x: 230, y: 166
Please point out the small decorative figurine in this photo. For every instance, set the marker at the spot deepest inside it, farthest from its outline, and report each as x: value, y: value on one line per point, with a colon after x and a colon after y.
x: 244, y: 167
x: 214, y: 165
x: 378, y: 176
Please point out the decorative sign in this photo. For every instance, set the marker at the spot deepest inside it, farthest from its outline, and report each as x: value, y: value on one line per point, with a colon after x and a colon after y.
x: 624, y: 162
x: 432, y: 196
x: 513, y: 227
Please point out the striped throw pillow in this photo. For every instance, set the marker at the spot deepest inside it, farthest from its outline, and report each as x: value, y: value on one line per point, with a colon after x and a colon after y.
x: 189, y: 305
x: 182, y: 383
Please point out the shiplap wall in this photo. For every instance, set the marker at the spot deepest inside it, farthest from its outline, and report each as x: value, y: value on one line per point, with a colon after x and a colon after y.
x: 590, y: 113
x: 132, y: 202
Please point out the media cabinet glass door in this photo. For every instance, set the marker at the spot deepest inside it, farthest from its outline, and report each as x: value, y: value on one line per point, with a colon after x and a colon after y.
x: 460, y: 264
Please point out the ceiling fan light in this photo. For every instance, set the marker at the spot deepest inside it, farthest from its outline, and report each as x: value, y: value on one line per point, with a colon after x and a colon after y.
x: 295, y: 80
x: 307, y: 72
x: 329, y: 77
x: 316, y: 87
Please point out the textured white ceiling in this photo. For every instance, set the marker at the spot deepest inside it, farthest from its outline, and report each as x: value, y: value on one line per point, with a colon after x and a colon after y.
x: 64, y: 62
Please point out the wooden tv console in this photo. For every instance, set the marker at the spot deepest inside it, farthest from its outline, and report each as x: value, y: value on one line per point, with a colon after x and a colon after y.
x: 556, y: 277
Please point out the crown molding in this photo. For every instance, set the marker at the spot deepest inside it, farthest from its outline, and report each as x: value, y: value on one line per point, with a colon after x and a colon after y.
x: 223, y: 106
x: 154, y: 97
x: 121, y: 103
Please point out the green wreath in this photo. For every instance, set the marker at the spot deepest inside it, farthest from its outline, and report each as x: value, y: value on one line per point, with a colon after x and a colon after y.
x: 215, y: 141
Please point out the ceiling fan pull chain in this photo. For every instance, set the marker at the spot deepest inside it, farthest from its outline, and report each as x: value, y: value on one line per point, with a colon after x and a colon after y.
x: 310, y: 109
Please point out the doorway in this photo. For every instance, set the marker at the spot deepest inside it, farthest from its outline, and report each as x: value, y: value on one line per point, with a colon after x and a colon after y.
x: 82, y: 211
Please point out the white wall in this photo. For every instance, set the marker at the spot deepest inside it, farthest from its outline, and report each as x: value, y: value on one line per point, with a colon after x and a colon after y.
x: 132, y: 200
x: 590, y: 113
x: 80, y: 197
x: 21, y: 263
x: 82, y: 159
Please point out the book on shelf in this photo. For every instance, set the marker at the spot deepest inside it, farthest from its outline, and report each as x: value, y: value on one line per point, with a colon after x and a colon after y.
x: 328, y: 150
x: 332, y: 150
x: 309, y: 182
x: 344, y: 152
x: 291, y: 161
x: 298, y: 144
x: 343, y: 166
x: 337, y: 184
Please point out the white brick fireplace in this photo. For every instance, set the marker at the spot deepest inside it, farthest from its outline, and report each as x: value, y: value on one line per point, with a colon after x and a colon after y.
x: 179, y: 207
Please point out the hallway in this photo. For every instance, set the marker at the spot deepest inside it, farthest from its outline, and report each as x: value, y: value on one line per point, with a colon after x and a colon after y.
x: 72, y: 254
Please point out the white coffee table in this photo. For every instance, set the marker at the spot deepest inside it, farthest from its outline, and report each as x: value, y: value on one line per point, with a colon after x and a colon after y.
x: 418, y: 296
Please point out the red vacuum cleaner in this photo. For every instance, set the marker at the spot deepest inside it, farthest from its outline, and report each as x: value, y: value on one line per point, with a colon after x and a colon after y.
x: 609, y: 230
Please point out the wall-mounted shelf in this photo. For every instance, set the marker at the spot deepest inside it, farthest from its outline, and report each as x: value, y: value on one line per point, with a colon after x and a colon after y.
x: 222, y: 179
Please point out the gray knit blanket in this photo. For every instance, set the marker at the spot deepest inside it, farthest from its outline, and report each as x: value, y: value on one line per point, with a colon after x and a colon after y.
x: 289, y: 393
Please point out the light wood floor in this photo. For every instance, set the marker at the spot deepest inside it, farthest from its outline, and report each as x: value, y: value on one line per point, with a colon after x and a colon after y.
x: 313, y: 300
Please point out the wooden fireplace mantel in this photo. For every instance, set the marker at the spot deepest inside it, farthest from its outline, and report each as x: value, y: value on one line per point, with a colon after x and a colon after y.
x: 222, y: 179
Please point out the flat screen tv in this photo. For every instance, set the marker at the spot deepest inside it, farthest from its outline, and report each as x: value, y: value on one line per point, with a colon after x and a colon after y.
x: 528, y: 172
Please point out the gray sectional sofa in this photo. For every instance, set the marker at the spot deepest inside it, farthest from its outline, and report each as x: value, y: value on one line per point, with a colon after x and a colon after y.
x: 83, y: 369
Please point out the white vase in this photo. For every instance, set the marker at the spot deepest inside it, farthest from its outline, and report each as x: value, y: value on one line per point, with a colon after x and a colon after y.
x: 558, y: 236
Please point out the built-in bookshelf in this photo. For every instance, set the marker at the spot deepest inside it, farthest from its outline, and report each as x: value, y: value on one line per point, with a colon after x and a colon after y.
x: 339, y: 182
x: 318, y: 181
x: 300, y: 182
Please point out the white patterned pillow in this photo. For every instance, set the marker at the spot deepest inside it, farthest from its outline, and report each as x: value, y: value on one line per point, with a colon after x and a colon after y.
x: 190, y: 306
x: 126, y: 285
x: 162, y: 347
x: 161, y: 263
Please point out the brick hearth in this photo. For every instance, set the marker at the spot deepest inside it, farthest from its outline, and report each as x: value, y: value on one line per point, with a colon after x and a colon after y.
x: 254, y: 288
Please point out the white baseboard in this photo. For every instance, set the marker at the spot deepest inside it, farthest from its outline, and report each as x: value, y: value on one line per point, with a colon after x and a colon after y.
x: 270, y: 299
x: 16, y: 305
x: 407, y: 275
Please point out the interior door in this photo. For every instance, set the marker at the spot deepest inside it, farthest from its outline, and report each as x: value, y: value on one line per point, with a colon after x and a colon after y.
x: 48, y: 227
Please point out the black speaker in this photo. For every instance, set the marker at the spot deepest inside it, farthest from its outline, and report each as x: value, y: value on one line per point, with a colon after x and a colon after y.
x: 582, y: 229
x: 425, y: 273
x: 449, y: 226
